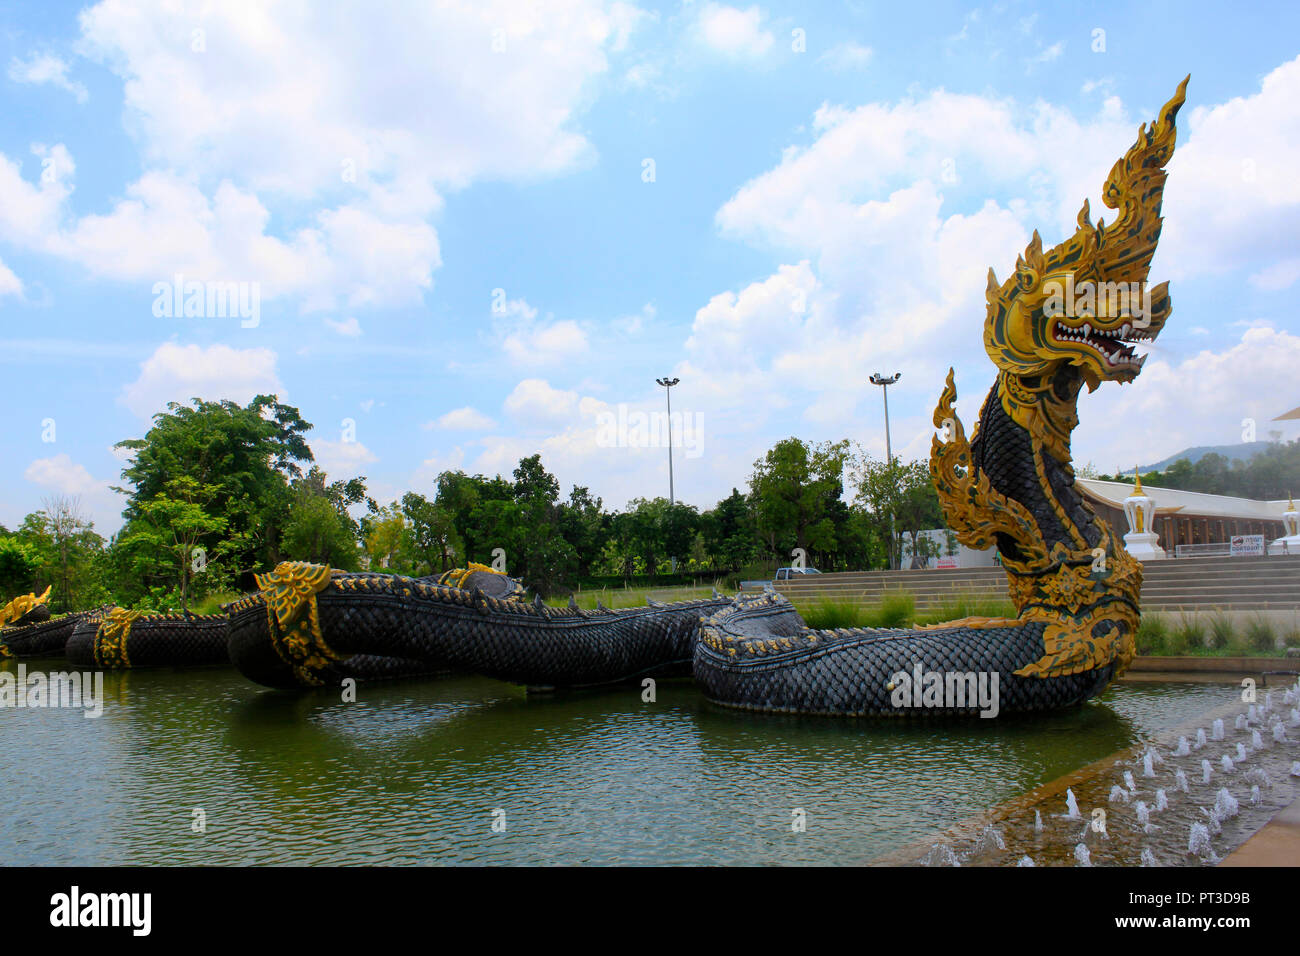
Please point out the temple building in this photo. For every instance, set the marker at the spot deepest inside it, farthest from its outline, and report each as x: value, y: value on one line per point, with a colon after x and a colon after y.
x: 1187, y: 517
x: 1196, y: 522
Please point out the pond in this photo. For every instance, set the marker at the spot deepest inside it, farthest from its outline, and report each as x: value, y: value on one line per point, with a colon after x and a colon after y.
x: 464, y: 770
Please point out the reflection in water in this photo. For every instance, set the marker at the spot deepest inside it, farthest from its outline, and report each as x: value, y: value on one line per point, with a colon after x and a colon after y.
x: 413, y: 772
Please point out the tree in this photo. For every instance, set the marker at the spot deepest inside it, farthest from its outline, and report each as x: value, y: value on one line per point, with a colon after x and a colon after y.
x: 430, y: 537
x: 19, y: 563
x: 319, y: 527
x: 791, y: 494
x: 384, y: 532
x: 66, y: 523
x: 903, y: 490
x: 247, y: 455
x: 728, y: 530
x: 585, y: 526
x: 168, y: 529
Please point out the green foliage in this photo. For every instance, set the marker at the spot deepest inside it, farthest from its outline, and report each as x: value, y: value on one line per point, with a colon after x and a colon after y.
x: 1176, y: 644
x: 245, y: 455
x: 1152, y: 635
x: 228, y: 481
x: 315, y: 531
x: 1190, y: 633
x: 968, y: 605
x: 1222, y: 633
x: 795, y: 496
x: 896, y: 609
x: 904, y: 491
x: 163, y: 540
x: 827, y: 613
x: 19, y: 562
x: 1270, y: 474
x: 1259, y: 635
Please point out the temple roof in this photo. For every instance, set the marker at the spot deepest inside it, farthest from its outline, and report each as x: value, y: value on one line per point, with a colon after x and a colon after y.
x: 1174, y: 501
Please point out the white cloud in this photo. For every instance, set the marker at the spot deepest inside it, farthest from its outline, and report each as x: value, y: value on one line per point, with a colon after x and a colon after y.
x: 1048, y: 54
x: 166, y: 226
x: 348, y: 328
x: 464, y: 419
x: 546, y: 344
x: 61, y: 475
x: 360, y: 154
x: 1233, y: 197
x: 635, y: 324
x: 734, y: 32
x: 535, y: 401
x: 341, y: 459
x: 467, y: 90
x: 177, y: 373
x: 10, y: 284
x: 1159, y: 414
x: 846, y: 56
x: 891, y: 264
x: 46, y: 68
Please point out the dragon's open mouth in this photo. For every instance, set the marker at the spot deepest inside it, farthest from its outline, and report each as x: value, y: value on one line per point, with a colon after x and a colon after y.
x: 1109, y: 343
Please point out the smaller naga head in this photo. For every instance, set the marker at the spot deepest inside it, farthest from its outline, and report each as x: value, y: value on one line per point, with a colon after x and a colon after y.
x: 1086, y: 302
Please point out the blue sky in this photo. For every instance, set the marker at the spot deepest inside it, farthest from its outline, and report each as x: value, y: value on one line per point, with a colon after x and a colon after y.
x: 830, y: 185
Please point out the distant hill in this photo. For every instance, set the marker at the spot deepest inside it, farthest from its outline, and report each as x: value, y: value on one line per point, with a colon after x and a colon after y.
x: 1244, y: 452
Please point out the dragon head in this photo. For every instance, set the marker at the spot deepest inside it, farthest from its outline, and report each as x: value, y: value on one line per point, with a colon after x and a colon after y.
x: 1085, y: 302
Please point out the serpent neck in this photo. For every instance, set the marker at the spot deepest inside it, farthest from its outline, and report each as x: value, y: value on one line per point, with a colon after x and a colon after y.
x: 1023, y: 445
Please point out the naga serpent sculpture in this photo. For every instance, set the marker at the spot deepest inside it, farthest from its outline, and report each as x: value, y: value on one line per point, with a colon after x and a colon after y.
x: 1010, y: 486
x: 309, y: 626
x: 119, y: 639
x: 1075, y: 589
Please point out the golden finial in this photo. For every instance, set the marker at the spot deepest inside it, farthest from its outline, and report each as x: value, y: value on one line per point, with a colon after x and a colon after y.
x: 1137, y: 488
x: 1290, y: 502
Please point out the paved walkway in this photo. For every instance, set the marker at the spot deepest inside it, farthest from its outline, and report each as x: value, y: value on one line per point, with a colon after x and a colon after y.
x: 1276, y: 844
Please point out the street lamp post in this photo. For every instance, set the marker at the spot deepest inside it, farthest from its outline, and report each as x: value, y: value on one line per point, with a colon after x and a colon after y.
x: 668, y: 384
x: 884, y: 383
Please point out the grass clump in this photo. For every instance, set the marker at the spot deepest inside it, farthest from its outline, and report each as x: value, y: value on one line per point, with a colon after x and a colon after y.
x: 1222, y: 634
x: 1175, y: 641
x: 828, y: 613
x: 895, y: 610
x: 1153, y: 636
x: 968, y: 605
x: 1192, y: 634
x: 1259, y: 635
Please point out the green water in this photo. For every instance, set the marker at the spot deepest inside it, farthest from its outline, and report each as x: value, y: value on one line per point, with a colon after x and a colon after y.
x: 413, y: 771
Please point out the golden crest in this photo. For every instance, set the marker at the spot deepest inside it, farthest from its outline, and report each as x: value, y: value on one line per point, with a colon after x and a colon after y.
x: 22, y: 605
x: 1087, y: 598
x: 974, y: 510
x: 290, y: 595
x: 109, y: 649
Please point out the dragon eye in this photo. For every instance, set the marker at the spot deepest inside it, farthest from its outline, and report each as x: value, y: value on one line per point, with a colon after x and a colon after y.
x: 1026, y: 279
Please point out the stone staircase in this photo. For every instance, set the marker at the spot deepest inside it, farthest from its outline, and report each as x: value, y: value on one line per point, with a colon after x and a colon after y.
x: 1190, y: 584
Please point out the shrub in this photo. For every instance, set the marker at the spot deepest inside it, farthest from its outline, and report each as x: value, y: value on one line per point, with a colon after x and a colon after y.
x: 896, y: 610
x: 1259, y: 635
x: 1152, y: 636
x: 1176, y: 642
x: 1192, y: 633
x: 830, y: 613
x: 968, y: 605
x: 1222, y: 632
